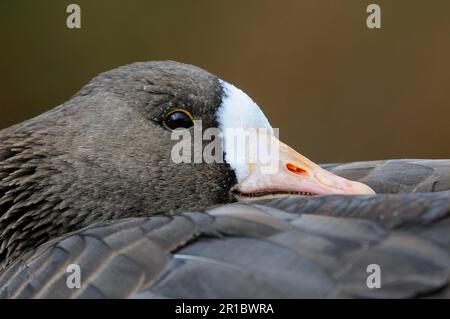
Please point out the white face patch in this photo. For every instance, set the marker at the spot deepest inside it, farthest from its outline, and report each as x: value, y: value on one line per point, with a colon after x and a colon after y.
x: 238, y: 111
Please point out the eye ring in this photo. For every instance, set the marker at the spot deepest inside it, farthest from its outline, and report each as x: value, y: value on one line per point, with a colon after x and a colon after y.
x: 178, y: 118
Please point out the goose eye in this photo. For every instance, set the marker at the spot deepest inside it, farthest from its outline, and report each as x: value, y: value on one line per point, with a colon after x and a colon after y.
x: 178, y: 118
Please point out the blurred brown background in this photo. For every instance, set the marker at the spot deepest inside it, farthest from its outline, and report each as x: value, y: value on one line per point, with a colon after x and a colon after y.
x: 337, y: 90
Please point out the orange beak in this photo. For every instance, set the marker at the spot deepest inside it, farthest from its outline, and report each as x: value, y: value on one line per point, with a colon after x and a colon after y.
x: 283, y: 170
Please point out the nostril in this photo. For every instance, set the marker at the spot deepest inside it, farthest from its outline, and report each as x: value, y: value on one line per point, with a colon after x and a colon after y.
x: 295, y: 169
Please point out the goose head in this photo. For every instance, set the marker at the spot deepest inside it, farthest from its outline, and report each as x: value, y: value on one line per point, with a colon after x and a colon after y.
x: 172, y: 136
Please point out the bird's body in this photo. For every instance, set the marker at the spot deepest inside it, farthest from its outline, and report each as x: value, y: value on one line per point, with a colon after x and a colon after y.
x: 92, y: 183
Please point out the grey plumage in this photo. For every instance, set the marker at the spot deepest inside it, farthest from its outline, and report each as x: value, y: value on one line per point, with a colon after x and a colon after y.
x: 293, y: 247
x: 90, y: 183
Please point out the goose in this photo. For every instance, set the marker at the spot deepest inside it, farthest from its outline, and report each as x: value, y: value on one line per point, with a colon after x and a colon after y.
x: 93, y: 183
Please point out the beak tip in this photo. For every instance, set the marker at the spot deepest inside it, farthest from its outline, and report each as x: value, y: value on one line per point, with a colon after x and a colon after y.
x: 363, y: 189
